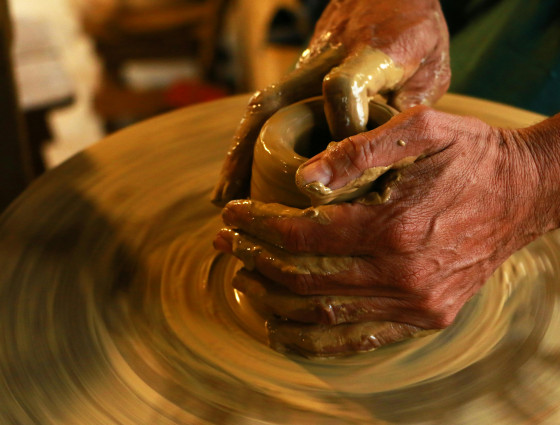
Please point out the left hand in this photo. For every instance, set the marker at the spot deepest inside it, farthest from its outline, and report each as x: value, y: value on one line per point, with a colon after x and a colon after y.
x: 453, y: 217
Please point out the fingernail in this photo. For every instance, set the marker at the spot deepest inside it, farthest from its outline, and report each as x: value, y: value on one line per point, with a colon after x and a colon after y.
x: 228, y: 215
x: 236, y: 212
x: 223, y: 242
x: 317, y: 171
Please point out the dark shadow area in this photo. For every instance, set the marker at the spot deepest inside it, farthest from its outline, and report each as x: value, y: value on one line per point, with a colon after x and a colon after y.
x: 16, y: 166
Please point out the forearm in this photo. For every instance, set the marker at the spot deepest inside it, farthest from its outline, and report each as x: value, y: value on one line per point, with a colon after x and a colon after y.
x: 543, y: 141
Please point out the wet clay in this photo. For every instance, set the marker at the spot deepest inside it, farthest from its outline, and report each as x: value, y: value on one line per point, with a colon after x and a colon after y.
x: 288, y: 139
x: 357, y: 189
x: 348, y: 88
x: 116, y: 309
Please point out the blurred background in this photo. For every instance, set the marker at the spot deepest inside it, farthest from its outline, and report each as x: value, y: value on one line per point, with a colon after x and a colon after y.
x: 86, y: 68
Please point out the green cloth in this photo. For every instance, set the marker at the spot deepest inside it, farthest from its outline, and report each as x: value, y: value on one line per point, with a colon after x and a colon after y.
x: 507, y: 51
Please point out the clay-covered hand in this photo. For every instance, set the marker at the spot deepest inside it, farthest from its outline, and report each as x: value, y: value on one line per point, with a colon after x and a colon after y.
x: 359, y: 48
x: 473, y: 196
x: 318, y: 325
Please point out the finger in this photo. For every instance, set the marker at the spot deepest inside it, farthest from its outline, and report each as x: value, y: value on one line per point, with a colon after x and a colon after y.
x: 310, y: 274
x: 323, y: 230
x: 359, y: 160
x: 302, y: 83
x: 279, y: 264
x: 339, y: 340
x: 271, y: 299
x: 427, y: 85
x: 223, y: 241
x: 347, y: 87
x: 362, y: 291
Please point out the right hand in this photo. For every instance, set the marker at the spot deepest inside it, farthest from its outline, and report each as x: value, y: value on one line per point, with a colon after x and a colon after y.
x: 474, y: 195
x: 359, y: 48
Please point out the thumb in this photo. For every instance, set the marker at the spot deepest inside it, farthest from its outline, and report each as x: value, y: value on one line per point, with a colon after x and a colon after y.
x: 348, y: 87
x: 346, y: 170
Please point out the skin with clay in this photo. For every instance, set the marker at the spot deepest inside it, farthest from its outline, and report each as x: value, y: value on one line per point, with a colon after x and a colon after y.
x: 318, y: 325
x: 319, y: 194
x: 347, y: 328
x: 359, y: 48
x: 475, y: 194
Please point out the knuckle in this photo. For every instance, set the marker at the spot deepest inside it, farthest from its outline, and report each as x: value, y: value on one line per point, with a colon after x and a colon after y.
x: 294, y: 238
x: 355, y: 152
x: 301, y: 283
x: 418, y: 122
x: 326, y: 313
x: 444, y: 76
x: 422, y: 115
x: 351, y: 156
x: 436, y: 309
x: 442, y: 319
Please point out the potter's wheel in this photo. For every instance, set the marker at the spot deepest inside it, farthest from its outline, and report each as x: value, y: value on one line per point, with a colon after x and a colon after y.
x: 115, y: 309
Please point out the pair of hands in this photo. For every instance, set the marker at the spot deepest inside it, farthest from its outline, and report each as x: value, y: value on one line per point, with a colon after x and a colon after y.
x: 453, y: 217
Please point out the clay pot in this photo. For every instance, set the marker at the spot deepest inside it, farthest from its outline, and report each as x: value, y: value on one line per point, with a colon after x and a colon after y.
x: 288, y: 139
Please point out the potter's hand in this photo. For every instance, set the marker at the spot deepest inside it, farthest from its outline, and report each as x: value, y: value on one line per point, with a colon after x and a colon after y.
x: 360, y: 48
x: 318, y: 325
x: 474, y: 196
